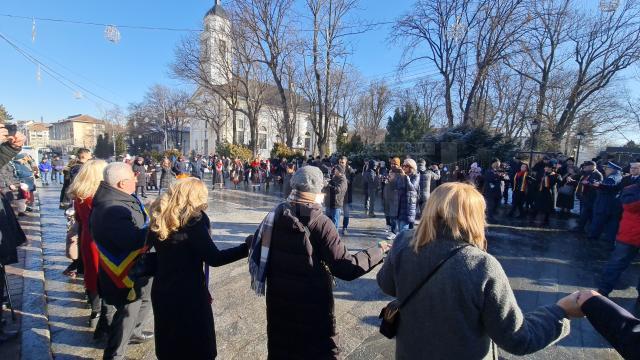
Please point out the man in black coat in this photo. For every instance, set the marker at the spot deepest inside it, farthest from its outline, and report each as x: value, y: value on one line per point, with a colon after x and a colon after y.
x: 11, y: 234
x: 119, y: 226
x: 336, y: 189
x: 617, y: 325
x: 493, y: 188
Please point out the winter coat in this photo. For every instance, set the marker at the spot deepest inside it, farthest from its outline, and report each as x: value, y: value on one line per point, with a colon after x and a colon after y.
x: 545, y: 200
x: 607, y: 201
x: 88, y: 248
x: 336, y: 190
x: 57, y: 165
x: 118, y: 225
x: 629, y: 230
x: 350, y: 175
x: 391, y: 197
x: 408, y: 187
x: 371, y: 181
x: 492, y: 184
x: 44, y: 167
x: 614, y: 323
x: 183, y: 320
x: 25, y: 174
x: 141, y: 174
x: 466, y: 308
x: 7, y: 152
x: 426, y: 177
x: 301, y: 323
x: 167, y: 177
x: 586, y: 192
x: 11, y: 234
x: 628, y: 181
x: 181, y: 167
x: 567, y: 201
x: 197, y: 168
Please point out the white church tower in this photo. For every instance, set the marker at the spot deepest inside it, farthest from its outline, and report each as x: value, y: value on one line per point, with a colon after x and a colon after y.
x: 215, y: 44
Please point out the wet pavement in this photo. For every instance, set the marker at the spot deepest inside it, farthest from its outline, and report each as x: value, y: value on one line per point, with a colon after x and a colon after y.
x: 543, y: 264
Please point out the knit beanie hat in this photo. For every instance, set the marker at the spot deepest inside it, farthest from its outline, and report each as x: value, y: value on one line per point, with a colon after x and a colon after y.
x: 308, y: 179
x: 411, y: 163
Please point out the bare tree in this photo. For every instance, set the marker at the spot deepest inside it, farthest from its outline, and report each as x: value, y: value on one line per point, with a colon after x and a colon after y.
x: 437, y: 31
x: 606, y: 44
x: 372, y: 107
x: 327, y: 47
x: 266, y: 23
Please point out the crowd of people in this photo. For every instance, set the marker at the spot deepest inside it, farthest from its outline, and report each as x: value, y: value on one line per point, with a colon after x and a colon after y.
x: 140, y: 260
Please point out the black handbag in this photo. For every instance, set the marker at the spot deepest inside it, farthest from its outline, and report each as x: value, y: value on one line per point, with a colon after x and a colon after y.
x: 390, y: 314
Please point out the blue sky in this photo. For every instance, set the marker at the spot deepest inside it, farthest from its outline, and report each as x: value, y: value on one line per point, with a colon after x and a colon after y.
x: 122, y: 73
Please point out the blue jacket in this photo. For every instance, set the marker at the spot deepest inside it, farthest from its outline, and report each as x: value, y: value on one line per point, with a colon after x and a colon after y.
x: 607, y: 195
x: 25, y: 174
x: 407, y: 187
x: 45, y: 167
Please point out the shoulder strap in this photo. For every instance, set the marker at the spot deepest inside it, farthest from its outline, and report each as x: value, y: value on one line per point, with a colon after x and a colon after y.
x: 433, y: 272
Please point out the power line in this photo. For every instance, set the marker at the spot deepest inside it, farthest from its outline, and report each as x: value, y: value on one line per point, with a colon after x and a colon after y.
x: 53, y: 73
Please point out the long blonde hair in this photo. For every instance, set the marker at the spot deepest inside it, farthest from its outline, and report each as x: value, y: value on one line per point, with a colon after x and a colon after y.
x: 454, y: 208
x: 184, y: 201
x: 88, y: 179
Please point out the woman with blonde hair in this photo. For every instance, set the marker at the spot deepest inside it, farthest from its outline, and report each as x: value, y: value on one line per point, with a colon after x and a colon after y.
x: 456, y: 299
x: 180, y: 233
x: 81, y: 192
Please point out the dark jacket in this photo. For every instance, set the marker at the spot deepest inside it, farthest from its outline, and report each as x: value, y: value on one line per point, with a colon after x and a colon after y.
x: 492, y: 184
x: 618, y: 326
x: 300, y: 305
x: 11, y: 234
x: 350, y: 175
x: 371, y: 181
x: 167, y: 177
x: 197, y: 168
x: 182, y: 167
x: 336, y: 189
x: 7, y: 152
x: 183, y: 319
x: 141, y: 173
x: 119, y: 228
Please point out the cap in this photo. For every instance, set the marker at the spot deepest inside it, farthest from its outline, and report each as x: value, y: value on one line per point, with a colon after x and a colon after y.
x: 308, y: 179
x: 614, y: 166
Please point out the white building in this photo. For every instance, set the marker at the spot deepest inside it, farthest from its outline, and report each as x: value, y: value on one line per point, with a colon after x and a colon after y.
x: 215, y: 47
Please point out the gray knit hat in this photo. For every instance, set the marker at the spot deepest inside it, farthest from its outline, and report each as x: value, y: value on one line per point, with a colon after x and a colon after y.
x: 308, y: 179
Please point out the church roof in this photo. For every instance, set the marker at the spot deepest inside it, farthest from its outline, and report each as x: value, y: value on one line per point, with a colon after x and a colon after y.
x: 217, y: 10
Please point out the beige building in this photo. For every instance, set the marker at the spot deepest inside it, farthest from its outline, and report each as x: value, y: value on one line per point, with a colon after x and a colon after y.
x: 38, y: 135
x: 77, y: 131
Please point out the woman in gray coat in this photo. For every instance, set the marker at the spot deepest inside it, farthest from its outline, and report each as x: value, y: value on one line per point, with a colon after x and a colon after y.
x: 467, y: 309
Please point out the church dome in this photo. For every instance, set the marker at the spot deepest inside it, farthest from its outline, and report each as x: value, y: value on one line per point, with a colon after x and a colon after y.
x: 217, y: 10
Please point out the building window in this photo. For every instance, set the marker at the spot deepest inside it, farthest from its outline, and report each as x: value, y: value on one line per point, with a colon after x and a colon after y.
x: 307, y: 141
x: 240, y: 137
x: 262, y: 138
x: 223, y: 48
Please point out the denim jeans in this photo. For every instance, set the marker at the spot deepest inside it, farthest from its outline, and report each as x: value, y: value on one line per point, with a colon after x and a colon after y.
x: 619, y: 260
x: 45, y: 177
x: 346, y: 214
x: 334, y: 215
x: 400, y: 226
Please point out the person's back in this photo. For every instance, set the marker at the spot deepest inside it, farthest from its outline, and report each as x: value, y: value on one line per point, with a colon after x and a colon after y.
x: 467, y: 304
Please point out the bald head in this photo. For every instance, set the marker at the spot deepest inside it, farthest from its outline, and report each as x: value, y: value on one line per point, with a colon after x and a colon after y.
x: 120, y: 176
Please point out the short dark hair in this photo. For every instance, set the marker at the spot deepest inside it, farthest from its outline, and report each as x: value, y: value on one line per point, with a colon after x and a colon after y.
x: 83, y: 151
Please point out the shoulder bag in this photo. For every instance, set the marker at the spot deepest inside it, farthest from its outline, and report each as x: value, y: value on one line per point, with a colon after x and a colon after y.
x: 390, y: 314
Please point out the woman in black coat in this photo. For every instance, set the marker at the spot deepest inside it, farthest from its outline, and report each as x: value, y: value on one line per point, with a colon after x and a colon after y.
x: 184, y: 327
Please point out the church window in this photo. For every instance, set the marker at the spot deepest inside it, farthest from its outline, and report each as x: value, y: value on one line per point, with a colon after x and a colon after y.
x: 262, y: 138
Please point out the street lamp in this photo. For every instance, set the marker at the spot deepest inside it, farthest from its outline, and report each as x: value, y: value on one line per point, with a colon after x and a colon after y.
x: 579, y: 136
x: 534, y: 127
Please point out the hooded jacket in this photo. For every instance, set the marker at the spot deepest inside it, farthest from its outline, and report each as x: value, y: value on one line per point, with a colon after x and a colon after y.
x: 426, y: 177
x: 300, y: 305
x: 119, y: 228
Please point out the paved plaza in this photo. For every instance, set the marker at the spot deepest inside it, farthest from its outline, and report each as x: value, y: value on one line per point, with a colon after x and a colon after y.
x: 543, y: 264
